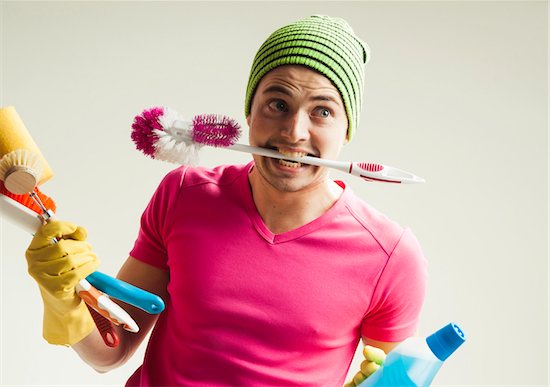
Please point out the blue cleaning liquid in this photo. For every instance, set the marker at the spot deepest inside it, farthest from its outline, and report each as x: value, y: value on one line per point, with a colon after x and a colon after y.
x: 416, y: 361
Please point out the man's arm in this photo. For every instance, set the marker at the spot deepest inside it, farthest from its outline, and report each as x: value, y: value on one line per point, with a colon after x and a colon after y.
x: 93, y: 350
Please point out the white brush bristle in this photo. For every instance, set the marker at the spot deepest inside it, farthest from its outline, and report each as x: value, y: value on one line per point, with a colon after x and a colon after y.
x: 169, y: 116
x: 171, y: 146
x: 168, y: 148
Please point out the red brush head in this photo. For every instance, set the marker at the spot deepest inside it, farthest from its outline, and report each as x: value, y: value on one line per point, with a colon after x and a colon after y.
x: 27, y: 201
x: 143, y: 128
x: 215, y: 130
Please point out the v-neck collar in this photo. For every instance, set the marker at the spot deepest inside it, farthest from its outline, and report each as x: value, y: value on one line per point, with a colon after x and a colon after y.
x: 307, y: 228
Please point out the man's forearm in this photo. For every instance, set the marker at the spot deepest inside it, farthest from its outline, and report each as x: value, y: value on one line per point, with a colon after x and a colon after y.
x: 99, y: 356
x: 93, y: 350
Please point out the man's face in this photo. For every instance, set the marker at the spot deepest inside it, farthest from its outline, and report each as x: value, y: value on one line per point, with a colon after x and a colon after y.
x: 296, y: 111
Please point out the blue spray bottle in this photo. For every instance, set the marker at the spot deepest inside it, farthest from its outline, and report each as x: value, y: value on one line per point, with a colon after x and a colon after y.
x: 415, y: 361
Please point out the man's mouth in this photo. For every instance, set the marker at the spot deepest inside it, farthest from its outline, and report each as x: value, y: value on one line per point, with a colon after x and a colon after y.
x: 289, y: 163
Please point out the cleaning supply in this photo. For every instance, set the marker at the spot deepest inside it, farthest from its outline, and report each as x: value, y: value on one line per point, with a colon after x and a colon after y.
x: 127, y: 293
x: 21, y: 210
x: 14, y: 136
x: 416, y: 361
x: 22, y: 168
x: 27, y: 201
x: 66, y: 319
x: 162, y: 134
x: 24, y: 212
x: 101, y: 308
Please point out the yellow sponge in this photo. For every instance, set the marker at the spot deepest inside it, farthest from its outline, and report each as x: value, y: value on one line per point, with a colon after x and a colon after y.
x: 14, y: 135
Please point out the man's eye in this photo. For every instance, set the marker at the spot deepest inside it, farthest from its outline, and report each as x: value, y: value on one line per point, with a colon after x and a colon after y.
x: 323, y: 112
x: 278, y: 105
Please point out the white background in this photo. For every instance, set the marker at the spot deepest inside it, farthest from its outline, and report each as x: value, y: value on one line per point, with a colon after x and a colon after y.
x: 456, y: 92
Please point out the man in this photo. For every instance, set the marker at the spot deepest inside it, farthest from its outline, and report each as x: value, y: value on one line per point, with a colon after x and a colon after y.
x: 271, y: 272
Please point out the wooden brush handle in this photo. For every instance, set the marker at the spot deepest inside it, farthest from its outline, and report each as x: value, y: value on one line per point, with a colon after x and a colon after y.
x: 20, y: 180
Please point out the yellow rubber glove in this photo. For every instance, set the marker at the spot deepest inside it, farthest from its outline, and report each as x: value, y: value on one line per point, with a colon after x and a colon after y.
x: 374, y: 358
x: 57, y: 268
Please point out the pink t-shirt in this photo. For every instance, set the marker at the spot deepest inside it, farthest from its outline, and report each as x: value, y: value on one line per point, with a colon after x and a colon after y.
x: 250, y: 308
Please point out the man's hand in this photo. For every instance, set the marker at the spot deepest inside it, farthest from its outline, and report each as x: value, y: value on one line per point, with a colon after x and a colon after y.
x: 374, y: 358
x: 57, y: 268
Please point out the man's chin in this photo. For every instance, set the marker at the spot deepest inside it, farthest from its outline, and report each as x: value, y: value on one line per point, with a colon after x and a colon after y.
x: 291, y: 181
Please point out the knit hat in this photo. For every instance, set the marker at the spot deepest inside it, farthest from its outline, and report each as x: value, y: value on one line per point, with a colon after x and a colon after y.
x: 325, y: 44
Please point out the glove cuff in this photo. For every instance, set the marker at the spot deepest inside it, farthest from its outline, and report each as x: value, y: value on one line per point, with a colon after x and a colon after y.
x: 69, y: 327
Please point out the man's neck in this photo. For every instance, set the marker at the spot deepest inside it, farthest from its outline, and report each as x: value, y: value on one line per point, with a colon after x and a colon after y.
x: 286, y: 211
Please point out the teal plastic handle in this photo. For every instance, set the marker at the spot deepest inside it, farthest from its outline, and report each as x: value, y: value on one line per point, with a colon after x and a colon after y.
x: 149, y: 302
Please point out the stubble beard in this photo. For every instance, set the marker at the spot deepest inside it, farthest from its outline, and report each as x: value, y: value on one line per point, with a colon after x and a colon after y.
x: 288, y: 184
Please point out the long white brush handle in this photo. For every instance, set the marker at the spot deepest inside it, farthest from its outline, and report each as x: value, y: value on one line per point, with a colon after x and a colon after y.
x: 367, y: 171
x: 18, y: 214
x: 179, y: 131
x: 340, y: 165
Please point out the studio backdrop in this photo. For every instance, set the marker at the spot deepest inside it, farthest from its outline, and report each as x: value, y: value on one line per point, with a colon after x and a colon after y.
x: 455, y: 92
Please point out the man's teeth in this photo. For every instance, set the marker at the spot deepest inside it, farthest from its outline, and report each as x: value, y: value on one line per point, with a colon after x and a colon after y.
x: 291, y: 164
x: 292, y: 154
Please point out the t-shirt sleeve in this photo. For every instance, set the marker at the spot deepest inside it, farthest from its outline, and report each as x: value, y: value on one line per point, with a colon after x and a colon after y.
x: 149, y: 246
x: 397, y: 300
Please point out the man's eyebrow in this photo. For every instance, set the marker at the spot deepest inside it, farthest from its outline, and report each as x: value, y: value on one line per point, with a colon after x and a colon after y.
x: 277, y: 89
x: 284, y: 90
x: 326, y: 97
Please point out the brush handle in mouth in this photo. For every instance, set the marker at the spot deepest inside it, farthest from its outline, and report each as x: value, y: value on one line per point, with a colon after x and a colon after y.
x: 183, y: 132
x: 366, y: 171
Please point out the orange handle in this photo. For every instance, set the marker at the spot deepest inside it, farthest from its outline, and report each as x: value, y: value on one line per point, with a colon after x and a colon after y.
x: 105, y: 328
x: 103, y: 305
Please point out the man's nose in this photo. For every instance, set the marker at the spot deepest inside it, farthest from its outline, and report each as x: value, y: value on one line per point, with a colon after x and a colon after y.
x: 296, y: 127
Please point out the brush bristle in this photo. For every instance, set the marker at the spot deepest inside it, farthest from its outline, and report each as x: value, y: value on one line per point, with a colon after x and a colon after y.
x: 143, y: 130
x: 174, y: 150
x: 161, y: 133
x: 23, y: 158
x: 21, y: 170
x: 27, y: 201
x: 174, y: 142
x: 154, y: 134
x: 215, y: 130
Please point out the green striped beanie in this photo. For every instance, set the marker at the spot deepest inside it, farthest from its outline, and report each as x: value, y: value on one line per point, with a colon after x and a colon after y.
x: 325, y: 44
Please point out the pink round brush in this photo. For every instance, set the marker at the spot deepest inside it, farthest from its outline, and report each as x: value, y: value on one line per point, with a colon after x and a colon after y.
x: 162, y: 134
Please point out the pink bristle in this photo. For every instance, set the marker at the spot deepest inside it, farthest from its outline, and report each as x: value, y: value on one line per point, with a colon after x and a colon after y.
x: 143, y: 127
x: 215, y: 130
